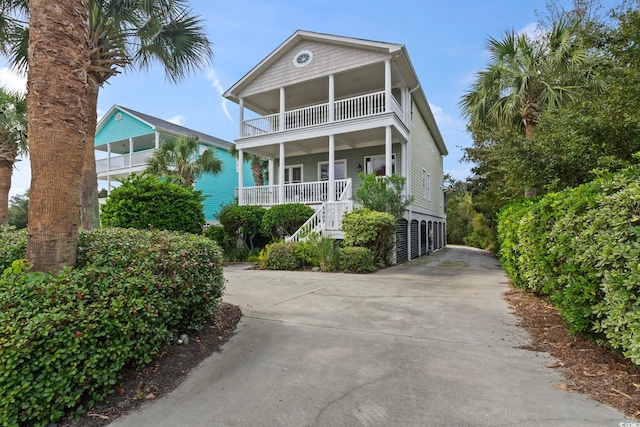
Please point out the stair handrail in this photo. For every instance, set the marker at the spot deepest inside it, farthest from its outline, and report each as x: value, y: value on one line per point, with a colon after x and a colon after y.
x: 310, y: 225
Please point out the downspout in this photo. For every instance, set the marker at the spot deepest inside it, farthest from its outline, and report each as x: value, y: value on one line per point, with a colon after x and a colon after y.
x: 410, y: 169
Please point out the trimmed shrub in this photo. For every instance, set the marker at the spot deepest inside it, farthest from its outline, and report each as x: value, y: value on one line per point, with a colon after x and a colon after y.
x: 145, y: 202
x: 356, y: 260
x: 372, y: 230
x: 242, y: 222
x: 215, y: 233
x: 281, y: 221
x: 13, y: 246
x: 283, y: 256
x: 67, y: 337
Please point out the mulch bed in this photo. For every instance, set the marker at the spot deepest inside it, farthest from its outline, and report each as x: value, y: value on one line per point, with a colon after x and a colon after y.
x: 589, y: 368
x: 165, y: 372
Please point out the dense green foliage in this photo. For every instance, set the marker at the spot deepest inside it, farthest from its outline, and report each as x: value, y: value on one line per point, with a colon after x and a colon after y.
x: 242, y: 222
x: 465, y: 225
x: 372, y: 230
x: 581, y: 247
x: 355, y: 259
x: 281, y: 221
x: 319, y: 251
x: 13, y: 245
x: 67, y: 337
x: 383, y: 194
x: 283, y: 256
x: 145, y: 202
x: 19, y: 210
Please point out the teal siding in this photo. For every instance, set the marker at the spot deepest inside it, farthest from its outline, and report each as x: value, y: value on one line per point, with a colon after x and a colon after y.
x: 127, y: 127
x: 221, y: 189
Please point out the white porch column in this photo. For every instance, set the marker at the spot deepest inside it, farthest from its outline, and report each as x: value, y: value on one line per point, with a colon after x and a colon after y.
x: 387, y: 85
x: 332, y: 98
x: 241, y: 118
x: 404, y: 163
x: 282, y: 107
x: 157, y: 136
x: 130, y: 152
x: 332, y: 169
x: 387, y: 151
x: 108, y: 156
x: 240, y: 177
x: 281, y: 175
x: 272, y: 177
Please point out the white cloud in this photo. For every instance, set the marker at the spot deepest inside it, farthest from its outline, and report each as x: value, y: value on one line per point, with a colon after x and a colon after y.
x: 12, y: 80
x: 178, y: 120
x: 441, y: 118
x: 531, y: 30
x: 100, y: 114
x: 218, y: 87
x: 21, y: 177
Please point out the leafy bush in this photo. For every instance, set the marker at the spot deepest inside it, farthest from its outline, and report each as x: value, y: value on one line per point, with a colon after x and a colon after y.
x: 581, y: 248
x: 356, y: 260
x: 242, y: 222
x: 216, y: 233
x: 66, y: 337
x: 13, y: 245
x: 283, y: 256
x: 143, y: 201
x: 383, y: 194
x: 319, y: 251
x: 372, y: 230
x: 281, y: 221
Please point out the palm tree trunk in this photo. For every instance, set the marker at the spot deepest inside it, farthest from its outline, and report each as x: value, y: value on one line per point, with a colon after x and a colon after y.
x: 89, y: 208
x: 529, y: 129
x: 57, y: 114
x: 6, y: 169
x: 256, y: 171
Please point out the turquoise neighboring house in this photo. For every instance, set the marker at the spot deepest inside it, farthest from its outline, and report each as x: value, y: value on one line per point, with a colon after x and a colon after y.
x: 125, y: 139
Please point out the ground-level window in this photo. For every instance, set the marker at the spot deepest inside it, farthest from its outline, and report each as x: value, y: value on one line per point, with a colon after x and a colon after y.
x: 340, y: 170
x: 293, y: 174
x: 377, y: 164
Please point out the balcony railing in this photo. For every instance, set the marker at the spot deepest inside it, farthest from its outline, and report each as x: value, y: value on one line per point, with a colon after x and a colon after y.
x: 344, y: 109
x: 137, y: 158
x: 305, y: 192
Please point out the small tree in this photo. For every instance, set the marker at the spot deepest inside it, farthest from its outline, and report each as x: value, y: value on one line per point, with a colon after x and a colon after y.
x: 19, y: 210
x: 383, y: 194
x: 242, y: 222
x: 178, y: 159
x: 372, y: 230
x: 144, y: 201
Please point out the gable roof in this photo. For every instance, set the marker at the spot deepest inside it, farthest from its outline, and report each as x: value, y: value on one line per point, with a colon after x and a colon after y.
x: 165, y: 126
x: 397, y: 52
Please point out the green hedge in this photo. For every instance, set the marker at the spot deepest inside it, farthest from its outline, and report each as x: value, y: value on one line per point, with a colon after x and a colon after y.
x: 283, y: 256
x: 145, y: 202
x: 281, y: 221
x: 355, y: 259
x: 67, y: 337
x: 581, y: 248
x: 372, y: 230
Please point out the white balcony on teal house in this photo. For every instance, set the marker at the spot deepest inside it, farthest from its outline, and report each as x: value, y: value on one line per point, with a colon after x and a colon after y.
x: 125, y: 139
x: 323, y: 108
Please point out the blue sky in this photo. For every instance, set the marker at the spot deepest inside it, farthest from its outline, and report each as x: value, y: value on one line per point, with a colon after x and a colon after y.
x: 445, y: 41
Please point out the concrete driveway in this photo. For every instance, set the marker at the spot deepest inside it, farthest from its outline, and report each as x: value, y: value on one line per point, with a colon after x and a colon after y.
x: 427, y: 343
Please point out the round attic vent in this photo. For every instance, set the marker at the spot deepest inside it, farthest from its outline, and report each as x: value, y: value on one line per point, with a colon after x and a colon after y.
x: 302, y: 58
x: 118, y: 117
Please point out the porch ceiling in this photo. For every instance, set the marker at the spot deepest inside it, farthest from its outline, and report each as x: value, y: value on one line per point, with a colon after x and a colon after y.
x: 142, y: 142
x: 351, y: 83
x: 346, y: 141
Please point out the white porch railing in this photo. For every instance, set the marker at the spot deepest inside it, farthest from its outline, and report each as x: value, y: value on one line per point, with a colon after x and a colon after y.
x: 138, y: 158
x: 326, y: 219
x: 344, y: 109
x: 305, y: 192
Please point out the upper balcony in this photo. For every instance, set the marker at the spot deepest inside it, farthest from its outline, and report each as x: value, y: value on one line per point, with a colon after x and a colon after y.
x: 367, y: 105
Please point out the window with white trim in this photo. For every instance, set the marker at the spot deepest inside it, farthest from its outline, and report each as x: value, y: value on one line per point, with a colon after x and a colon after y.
x: 378, y: 164
x: 340, y: 170
x: 293, y: 174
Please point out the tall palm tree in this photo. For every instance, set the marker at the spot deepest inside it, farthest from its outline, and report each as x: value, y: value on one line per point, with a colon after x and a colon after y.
x: 13, y: 142
x: 57, y: 115
x: 526, y: 76
x: 179, y: 159
x: 123, y: 35
x: 258, y: 165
